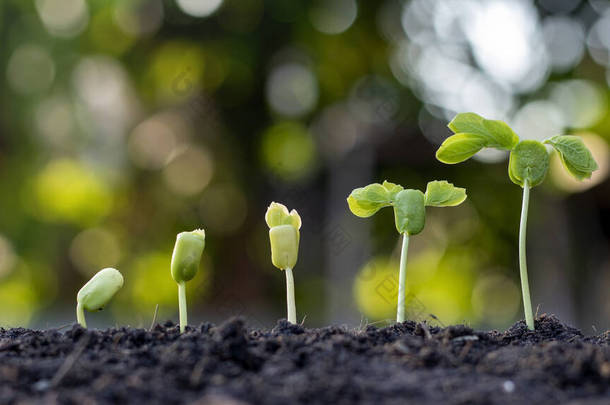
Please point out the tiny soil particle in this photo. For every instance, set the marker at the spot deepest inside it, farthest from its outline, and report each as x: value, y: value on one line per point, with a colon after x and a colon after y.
x: 231, y: 364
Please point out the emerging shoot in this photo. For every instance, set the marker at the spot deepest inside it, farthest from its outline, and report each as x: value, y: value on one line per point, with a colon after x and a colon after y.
x: 409, y: 214
x: 185, y: 264
x: 97, y: 292
x: 284, y: 237
x: 527, y: 167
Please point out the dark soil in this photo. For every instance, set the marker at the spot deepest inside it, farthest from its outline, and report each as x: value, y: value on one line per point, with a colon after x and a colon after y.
x: 230, y: 364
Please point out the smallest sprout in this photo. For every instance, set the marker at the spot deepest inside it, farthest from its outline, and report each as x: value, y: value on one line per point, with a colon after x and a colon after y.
x: 284, y: 237
x: 185, y: 264
x: 97, y: 292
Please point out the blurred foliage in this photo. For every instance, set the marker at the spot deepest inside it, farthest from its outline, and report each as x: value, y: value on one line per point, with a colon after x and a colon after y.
x: 125, y: 122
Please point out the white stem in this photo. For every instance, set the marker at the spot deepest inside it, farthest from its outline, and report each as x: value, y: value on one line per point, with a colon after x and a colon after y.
x: 525, y: 287
x: 182, y: 305
x: 402, y: 277
x: 80, y: 315
x: 292, y: 310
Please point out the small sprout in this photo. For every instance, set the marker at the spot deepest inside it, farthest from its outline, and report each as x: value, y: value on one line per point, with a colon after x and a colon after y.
x: 527, y: 167
x: 409, y: 214
x: 185, y: 264
x: 284, y: 237
x: 97, y: 292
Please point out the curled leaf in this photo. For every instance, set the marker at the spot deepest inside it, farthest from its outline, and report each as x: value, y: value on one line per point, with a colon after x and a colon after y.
x: 460, y: 147
x: 529, y: 160
x: 444, y: 194
x: 366, y: 201
x: 497, y: 134
x: 392, y: 188
x: 575, y: 156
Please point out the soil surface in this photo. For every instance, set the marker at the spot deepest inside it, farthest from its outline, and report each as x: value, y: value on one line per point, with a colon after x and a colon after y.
x: 230, y: 364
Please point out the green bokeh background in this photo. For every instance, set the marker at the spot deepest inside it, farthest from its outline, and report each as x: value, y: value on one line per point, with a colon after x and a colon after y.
x: 123, y: 123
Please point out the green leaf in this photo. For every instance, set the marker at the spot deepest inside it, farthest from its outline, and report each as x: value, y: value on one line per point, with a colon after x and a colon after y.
x: 444, y: 194
x: 529, y: 160
x: 392, y: 188
x: 460, y: 147
x: 366, y: 201
x: 497, y: 134
x: 410, y: 212
x: 575, y: 156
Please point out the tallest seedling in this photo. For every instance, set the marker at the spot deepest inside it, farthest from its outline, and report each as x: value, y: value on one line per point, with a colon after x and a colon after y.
x: 527, y: 167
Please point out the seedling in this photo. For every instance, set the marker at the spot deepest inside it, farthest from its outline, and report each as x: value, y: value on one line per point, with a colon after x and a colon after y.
x: 97, y: 292
x: 409, y: 214
x: 284, y: 237
x: 185, y: 264
x: 527, y: 167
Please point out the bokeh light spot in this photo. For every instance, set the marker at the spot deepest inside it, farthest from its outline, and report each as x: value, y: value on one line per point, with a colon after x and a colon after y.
x: 375, y: 289
x: 333, y: 16
x: 189, y: 172
x: 292, y: 90
x: 581, y: 102
x: 55, y: 120
x: 67, y: 191
x: 199, y: 8
x: 94, y: 249
x: 151, y: 144
x: 63, y: 18
x: 223, y: 209
x: 30, y: 69
x: 288, y: 150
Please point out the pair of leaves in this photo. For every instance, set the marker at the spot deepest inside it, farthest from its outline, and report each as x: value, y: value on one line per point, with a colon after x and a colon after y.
x: 409, y: 205
x: 473, y: 133
x: 528, y: 159
x: 574, y: 155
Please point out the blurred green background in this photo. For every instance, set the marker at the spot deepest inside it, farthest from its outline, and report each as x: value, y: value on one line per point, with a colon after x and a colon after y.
x: 125, y: 122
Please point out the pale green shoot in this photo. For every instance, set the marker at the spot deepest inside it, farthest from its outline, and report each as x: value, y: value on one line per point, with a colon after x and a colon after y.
x: 409, y: 215
x: 528, y: 166
x: 185, y: 264
x: 98, y: 291
x: 284, y: 237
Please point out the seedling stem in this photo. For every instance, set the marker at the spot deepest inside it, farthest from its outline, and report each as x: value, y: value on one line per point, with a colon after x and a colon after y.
x: 182, y: 305
x: 400, y: 312
x: 80, y: 315
x: 292, y: 312
x: 525, y: 287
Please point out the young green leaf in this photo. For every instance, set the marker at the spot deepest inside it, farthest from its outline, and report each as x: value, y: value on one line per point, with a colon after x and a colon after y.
x: 460, y: 147
x: 496, y: 133
x: 529, y: 160
x: 575, y: 156
x: 444, y: 194
x: 366, y: 201
x: 410, y: 212
x: 392, y: 188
